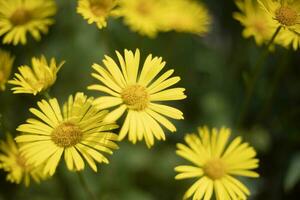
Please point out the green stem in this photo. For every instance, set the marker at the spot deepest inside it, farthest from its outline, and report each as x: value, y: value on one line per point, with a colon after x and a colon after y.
x: 86, y: 187
x: 64, y: 184
x: 257, y: 71
x: 2, y: 124
x: 280, y: 71
x: 46, y: 95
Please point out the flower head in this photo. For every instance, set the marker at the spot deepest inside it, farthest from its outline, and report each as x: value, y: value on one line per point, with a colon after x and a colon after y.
x: 16, y: 164
x: 256, y: 21
x: 148, y: 17
x: 137, y: 91
x: 186, y: 16
x: 19, y: 17
x: 77, y: 132
x: 6, y: 63
x: 289, y: 38
x: 284, y: 13
x: 216, y: 164
x: 36, y: 79
x: 96, y: 11
x: 142, y: 16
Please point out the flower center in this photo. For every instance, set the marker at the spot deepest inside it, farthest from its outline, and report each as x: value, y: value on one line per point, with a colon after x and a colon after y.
x: 20, y: 17
x: 144, y: 8
x: 66, y: 135
x: 214, y: 169
x: 286, y: 16
x: 102, y: 7
x: 21, y: 161
x: 260, y: 27
x: 135, y: 97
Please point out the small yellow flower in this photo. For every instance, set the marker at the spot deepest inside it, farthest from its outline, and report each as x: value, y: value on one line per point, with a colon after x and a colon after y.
x: 96, y: 11
x: 185, y: 16
x: 148, y: 17
x: 77, y: 131
x: 16, y: 165
x: 216, y: 164
x: 289, y: 38
x: 6, y: 63
x: 137, y: 91
x: 36, y: 79
x: 284, y: 13
x: 256, y: 21
x: 142, y: 16
x: 17, y: 17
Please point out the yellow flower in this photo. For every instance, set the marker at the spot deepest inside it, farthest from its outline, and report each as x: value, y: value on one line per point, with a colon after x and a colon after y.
x: 36, y: 79
x: 17, y: 17
x: 148, y: 17
x: 6, y: 63
x: 216, y: 164
x: 185, y: 16
x: 137, y: 91
x: 284, y: 13
x: 289, y: 38
x: 96, y: 11
x: 256, y: 21
x: 78, y: 132
x: 142, y: 16
x: 16, y: 164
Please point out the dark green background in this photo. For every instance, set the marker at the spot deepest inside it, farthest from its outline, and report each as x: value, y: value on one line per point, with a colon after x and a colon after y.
x: 213, y: 70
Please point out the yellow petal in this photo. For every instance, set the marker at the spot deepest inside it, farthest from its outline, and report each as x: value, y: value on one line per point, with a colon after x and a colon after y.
x: 115, y: 114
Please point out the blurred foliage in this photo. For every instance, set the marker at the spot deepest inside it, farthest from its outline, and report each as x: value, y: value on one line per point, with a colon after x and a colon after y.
x: 293, y: 173
x: 212, y: 71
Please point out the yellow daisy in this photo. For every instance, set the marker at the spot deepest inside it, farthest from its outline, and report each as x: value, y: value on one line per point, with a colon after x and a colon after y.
x: 17, y: 17
x: 142, y: 16
x: 36, y: 79
x: 215, y: 164
x: 138, y: 92
x: 289, y: 38
x: 16, y: 165
x: 285, y: 14
x: 6, y: 63
x: 77, y: 132
x: 96, y: 11
x: 256, y: 21
x: 185, y: 16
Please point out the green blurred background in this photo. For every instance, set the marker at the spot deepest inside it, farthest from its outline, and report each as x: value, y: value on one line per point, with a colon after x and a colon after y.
x: 213, y: 69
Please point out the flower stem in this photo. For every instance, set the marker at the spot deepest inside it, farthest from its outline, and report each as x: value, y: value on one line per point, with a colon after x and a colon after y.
x: 47, y: 95
x: 2, y: 124
x: 252, y: 82
x: 86, y: 187
x: 64, y: 184
x: 280, y: 71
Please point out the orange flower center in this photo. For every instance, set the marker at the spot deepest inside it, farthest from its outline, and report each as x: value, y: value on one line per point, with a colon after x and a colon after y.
x: 101, y: 7
x: 135, y: 97
x: 21, y: 161
x: 260, y: 27
x: 20, y: 17
x: 286, y: 16
x: 66, y: 135
x: 214, y: 169
x: 144, y: 8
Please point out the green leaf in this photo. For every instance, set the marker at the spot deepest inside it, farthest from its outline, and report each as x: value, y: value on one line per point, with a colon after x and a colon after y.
x: 293, y: 173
